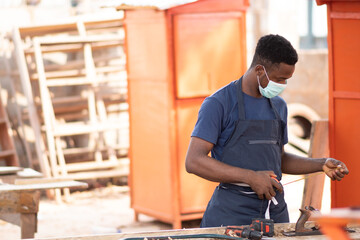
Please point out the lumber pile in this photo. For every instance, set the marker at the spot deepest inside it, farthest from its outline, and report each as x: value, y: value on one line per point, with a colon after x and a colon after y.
x: 73, y: 77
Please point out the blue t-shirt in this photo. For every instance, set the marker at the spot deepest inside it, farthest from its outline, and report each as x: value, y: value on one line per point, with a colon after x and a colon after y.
x: 219, y: 112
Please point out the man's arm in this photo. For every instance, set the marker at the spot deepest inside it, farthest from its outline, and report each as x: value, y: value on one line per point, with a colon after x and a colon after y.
x: 293, y: 164
x: 199, y: 163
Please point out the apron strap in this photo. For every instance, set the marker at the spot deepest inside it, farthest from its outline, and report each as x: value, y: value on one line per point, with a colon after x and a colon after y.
x: 240, y: 100
x: 277, y: 115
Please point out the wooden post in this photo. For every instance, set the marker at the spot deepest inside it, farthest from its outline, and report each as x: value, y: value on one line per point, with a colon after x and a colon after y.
x: 319, y: 148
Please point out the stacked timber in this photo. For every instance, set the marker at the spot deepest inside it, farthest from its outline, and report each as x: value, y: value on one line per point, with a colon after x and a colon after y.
x: 74, y: 80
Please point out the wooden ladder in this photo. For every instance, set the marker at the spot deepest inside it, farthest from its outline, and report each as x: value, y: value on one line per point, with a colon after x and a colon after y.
x: 66, y: 116
x: 97, y: 123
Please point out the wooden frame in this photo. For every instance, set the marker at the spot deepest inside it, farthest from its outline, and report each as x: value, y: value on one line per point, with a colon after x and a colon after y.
x: 83, y: 37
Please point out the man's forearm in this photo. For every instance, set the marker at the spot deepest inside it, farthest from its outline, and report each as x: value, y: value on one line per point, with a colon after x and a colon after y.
x: 216, y: 171
x: 294, y: 164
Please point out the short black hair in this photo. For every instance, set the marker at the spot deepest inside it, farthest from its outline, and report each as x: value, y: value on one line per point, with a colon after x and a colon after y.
x: 273, y: 50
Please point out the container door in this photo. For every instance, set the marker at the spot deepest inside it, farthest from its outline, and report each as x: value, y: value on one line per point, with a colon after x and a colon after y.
x: 344, y: 87
x: 209, y: 52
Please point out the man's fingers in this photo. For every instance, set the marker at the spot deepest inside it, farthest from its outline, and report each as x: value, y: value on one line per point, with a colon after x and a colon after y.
x: 269, y: 196
x: 261, y: 196
x: 343, y: 169
x: 276, y: 184
x: 339, y: 174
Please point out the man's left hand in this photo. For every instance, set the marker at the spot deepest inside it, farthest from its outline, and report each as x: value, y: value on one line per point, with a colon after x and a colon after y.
x: 335, y: 169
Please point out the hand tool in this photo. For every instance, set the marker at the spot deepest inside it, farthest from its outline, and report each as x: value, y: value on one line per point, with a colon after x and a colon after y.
x: 265, y: 226
x: 300, y: 229
x: 255, y: 230
x: 244, y: 232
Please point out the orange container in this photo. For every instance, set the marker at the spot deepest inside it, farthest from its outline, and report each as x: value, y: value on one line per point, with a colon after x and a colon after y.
x: 344, y: 96
x: 175, y: 58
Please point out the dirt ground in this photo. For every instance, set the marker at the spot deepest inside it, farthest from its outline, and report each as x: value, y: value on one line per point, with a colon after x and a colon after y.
x: 107, y: 210
x: 100, y: 210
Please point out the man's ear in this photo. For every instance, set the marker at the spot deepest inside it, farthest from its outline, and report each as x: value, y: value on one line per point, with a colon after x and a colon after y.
x: 259, y: 69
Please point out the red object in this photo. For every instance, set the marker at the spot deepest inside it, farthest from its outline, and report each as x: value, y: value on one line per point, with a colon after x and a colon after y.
x: 175, y: 58
x: 344, y: 96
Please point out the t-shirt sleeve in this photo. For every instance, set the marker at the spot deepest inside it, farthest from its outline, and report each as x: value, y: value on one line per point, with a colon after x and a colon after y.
x: 208, y: 125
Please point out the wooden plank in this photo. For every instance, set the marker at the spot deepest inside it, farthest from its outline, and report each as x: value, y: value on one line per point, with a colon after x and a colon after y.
x: 75, y: 47
x: 279, y: 227
x: 42, y: 186
x: 74, y: 151
x: 73, y: 167
x: 59, y: 82
x: 22, y: 173
x: 79, y: 72
x: 71, y: 129
x: 47, y: 109
x: 10, y: 170
x: 26, y: 86
x: 122, y: 172
x: 319, y: 148
x: 39, y: 180
x: 89, y: 39
x: 95, y: 139
x: 78, y: 63
x: 28, y: 173
x: 39, y: 30
x: 20, y: 127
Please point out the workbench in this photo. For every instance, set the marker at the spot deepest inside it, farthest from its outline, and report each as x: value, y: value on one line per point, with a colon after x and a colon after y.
x: 216, y: 230
x: 19, y: 202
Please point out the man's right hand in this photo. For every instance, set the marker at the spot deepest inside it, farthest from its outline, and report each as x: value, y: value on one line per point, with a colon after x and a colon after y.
x: 263, y: 184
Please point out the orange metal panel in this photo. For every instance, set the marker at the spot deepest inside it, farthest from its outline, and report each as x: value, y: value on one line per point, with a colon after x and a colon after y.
x: 346, y: 42
x: 195, y: 192
x: 344, y: 96
x: 150, y: 147
x: 346, y: 148
x: 208, y: 48
x: 149, y: 107
x: 146, y: 45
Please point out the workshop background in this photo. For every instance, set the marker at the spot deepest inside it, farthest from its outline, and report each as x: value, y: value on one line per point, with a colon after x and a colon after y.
x: 65, y: 124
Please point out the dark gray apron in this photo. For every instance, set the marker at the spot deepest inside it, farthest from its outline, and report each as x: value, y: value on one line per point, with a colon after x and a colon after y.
x: 255, y: 145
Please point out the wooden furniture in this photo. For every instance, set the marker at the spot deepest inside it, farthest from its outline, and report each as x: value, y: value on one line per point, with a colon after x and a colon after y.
x: 344, y: 96
x: 73, y: 76
x: 19, y: 204
x: 175, y: 58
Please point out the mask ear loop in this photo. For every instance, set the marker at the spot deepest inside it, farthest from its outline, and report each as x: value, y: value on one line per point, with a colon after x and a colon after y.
x: 266, y: 73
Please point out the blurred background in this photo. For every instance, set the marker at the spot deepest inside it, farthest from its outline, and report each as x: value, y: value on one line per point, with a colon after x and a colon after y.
x: 109, y: 159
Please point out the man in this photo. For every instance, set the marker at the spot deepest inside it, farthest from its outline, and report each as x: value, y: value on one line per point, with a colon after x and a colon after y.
x: 244, y: 125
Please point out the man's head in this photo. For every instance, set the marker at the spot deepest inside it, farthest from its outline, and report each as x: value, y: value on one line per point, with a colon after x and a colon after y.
x: 273, y: 63
x: 271, y: 50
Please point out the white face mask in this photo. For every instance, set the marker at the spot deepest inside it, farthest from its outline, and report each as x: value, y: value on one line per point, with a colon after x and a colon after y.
x: 272, y: 89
